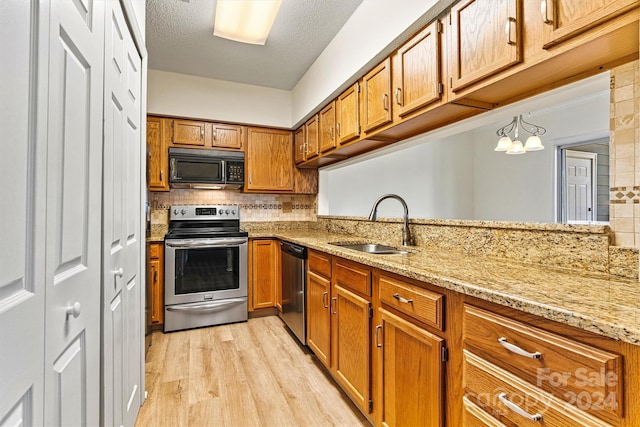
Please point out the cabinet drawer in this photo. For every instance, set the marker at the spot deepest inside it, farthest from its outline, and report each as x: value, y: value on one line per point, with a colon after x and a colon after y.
x: 566, y: 368
x: 155, y: 250
x: 514, y: 402
x: 320, y: 263
x: 419, y: 303
x: 473, y: 416
x: 353, y: 276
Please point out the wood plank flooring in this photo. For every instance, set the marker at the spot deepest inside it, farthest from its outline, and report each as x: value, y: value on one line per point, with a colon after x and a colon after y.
x: 243, y: 374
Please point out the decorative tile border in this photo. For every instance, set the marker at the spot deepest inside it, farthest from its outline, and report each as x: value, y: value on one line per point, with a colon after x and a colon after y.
x: 622, y: 195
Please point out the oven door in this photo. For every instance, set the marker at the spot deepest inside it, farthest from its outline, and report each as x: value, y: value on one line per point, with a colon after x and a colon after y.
x: 205, y: 269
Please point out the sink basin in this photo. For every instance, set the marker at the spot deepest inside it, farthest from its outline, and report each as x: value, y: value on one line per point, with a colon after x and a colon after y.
x: 372, y: 248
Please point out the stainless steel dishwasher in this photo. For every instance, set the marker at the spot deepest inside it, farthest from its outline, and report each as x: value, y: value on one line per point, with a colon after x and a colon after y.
x: 294, y: 289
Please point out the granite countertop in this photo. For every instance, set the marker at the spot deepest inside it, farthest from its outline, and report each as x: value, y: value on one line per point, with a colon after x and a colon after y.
x: 600, y: 303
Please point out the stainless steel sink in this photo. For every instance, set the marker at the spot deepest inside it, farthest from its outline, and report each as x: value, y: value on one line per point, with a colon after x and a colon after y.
x: 372, y: 248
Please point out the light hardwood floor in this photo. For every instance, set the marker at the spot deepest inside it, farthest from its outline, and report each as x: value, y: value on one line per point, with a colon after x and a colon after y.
x: 243, y: 374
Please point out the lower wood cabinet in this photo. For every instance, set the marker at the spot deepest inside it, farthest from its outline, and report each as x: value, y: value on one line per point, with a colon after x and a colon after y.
x: 265, y: 273
x: 411, y: 374
x: 155, y: 268
x: 318, y: 317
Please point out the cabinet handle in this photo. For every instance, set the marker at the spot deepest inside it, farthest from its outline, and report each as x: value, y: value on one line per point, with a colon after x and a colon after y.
x: 324, y: 304
x: 517, y: 350
x: 331, y: 133
x: 398, y: 92
x: 202, y: 132
x: 404, y: 300
x: 338, y: 128
x: 215, y: 135
x: 544, y: 9
x: 250, y: 179
x: 161, y: 175
x: 507, y: 29
x: 155, y: 276
x: 518, y: 410
x: 385, y: 101
x: 333, y: 305
x: 378, y: 328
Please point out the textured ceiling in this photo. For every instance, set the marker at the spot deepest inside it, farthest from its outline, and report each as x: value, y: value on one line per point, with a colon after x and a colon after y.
x: 180, y: 39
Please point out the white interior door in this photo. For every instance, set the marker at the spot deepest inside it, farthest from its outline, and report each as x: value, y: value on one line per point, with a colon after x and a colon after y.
x: 122, y: 292
x: 23, y: 90
x: 74, y: 213
x: 579, y: 173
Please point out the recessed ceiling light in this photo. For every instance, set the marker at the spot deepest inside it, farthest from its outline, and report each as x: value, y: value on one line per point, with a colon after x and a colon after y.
x: 246, y: 21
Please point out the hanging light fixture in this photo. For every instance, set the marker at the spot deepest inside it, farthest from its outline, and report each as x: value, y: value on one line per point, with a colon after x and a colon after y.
x: 505, y: 143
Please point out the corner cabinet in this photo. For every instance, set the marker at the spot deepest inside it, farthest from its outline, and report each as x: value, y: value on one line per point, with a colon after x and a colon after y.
x: 269, y: 160
x: 157, y: 153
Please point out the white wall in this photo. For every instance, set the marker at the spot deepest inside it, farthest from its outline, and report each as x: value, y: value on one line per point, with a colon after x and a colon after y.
x: 189, y: 96
x: 460, y: 176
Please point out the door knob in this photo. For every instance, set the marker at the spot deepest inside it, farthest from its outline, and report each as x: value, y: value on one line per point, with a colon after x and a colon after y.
x: 119, y: 272
x: 74, y: 310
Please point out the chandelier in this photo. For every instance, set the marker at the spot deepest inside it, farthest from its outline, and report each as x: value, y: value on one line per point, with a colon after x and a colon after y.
x: 505, y: 143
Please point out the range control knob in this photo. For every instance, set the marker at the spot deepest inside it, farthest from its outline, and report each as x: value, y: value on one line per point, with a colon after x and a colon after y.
x: 227, y: 211
x: 183, y: 211
x: 233, y: 212
x: 175, y: 211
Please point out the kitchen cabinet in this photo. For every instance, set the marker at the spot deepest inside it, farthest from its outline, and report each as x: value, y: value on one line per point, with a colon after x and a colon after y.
x: 565, y: 19
x: 299, y: 145
x: 486, y: 39
x: 411, y: 374
x: 158, y: 153
x: 312, y: 131
x: 417, y: 77
x: 348, y: 114
x: 265, y: 272
x: 327, y: 125
x: 189, y: 132
x: 318, y: 314
x: 155, y: 273
x: 376, y: 99
x: 269, y: 160
x: 227, y: 136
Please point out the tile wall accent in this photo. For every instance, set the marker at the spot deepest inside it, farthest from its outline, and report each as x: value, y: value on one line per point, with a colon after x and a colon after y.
x: 624, y: 210
x: 254, y: 207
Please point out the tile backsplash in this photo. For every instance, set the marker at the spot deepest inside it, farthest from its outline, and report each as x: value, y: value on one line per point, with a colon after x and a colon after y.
x: 253, y: 207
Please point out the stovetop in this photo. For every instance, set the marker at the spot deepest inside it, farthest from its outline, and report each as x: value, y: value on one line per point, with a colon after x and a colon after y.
x: 187, y: 222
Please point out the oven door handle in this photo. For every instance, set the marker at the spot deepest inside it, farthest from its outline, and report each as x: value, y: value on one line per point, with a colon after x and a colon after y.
x: 208, y: 306
x: 203, y: 244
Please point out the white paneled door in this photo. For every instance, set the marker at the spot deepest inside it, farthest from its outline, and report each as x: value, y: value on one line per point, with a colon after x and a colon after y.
x: 580, y: 185
x: 22, y: 211
x: 74, y: 213
x: 122, y: 291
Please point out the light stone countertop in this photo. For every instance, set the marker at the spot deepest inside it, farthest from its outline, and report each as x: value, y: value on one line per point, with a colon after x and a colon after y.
x: 600, y: 303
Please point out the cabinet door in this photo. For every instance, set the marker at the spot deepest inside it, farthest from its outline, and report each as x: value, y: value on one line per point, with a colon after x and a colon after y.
x: 299, y: 145
x: 156, y: 275
x: 566, y: 18
x: 265, y: 272
x: 318, y: 317
x: 328, y: 127
x: 313, y: 137
x: 411, y: 378
x: 377, y: 105
x: 269, y: 160
x: 157, y: 155
x: 189, y: 132
x: 486, y: 39
x: 227, y: 136
x: 348, y: 114
x: 352, y: 364
x: 416, y: 71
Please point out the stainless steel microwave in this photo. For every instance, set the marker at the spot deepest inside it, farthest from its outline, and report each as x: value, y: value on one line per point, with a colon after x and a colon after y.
x: 206, y: 169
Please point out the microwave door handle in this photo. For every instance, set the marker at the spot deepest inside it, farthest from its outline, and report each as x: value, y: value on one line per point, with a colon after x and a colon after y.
x: 173, y: 170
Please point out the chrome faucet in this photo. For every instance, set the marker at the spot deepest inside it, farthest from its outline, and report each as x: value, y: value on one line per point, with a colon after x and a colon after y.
x: 406, y: 234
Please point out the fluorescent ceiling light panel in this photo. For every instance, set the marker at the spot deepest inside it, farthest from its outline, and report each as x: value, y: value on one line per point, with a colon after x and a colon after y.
x: 246, y: 21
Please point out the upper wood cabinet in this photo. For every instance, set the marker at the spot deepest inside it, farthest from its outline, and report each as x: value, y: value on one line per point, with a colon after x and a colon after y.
x: 348, y: 114
x: 328, y: 127
x: 313, y: 137
x: 564, y: 19
x: 377, y: 101
x: 158, y: 154
x: 299, y: 145
x: 417, y: 79
x: 486, y: 39
x: 269, y: 160
x: 189, y: 132
x: 228, y: 136
x: 264, y: 273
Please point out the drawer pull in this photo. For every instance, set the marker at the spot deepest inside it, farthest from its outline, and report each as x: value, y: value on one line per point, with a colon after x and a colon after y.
x: 404, y: 300
x: 378, y: 329
x: 517, y: 350
x: 518, y: 410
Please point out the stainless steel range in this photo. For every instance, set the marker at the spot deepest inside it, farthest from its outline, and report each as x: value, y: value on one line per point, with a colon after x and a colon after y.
x: 205, y: 267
